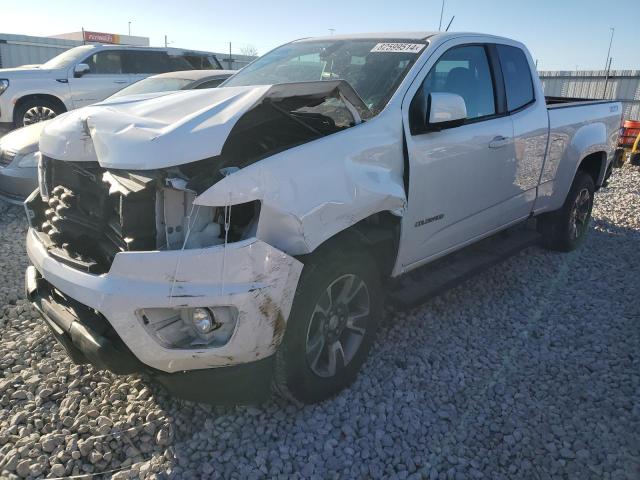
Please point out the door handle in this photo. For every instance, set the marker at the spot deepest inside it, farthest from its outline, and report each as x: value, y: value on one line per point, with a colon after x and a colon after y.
x: 119, y: 81
x: 499, y: 142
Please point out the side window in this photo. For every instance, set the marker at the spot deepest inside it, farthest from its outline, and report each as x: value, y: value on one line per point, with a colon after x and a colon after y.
x: 147, y: 62
x: 179, y: 62
x: 211, y: 83
x: 464, y: 71
x: 105, y: 62
x: 517, y: 76
x: 198, y: 62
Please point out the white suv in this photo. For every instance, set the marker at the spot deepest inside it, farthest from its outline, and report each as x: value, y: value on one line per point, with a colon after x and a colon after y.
x: 84, y: 75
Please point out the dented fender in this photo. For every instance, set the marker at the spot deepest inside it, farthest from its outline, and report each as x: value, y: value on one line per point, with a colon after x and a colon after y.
x: 313, y: 191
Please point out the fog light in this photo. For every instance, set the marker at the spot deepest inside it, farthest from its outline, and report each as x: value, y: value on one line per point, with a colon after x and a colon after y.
x: 203, y: 320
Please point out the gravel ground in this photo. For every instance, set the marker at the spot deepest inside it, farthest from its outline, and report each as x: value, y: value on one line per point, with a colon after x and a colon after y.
x: 529, y: 370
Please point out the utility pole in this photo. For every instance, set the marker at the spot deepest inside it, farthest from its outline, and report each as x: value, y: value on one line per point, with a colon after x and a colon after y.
x: 230, y: 58
x: 129, y: 28
x: 165, y: 41
x: 441, y: 12
x: 609, y: 51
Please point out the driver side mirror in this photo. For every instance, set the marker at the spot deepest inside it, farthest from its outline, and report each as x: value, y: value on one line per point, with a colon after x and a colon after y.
x: 435, y: 112
x: 445, y: 110
x: 80, y: 69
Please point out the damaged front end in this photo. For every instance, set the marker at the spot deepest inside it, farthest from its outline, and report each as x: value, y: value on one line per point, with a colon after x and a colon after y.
x: 86, y: 214
x: 90, y: 210
x: 132, y: 238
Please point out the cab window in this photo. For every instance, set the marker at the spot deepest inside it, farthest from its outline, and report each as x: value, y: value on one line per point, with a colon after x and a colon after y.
x: 517, y: 77
x: 106, y: 62
x: 465, y: 71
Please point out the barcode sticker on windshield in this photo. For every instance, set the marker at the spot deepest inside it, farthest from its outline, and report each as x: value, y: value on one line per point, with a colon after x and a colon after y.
x: 398, y: 47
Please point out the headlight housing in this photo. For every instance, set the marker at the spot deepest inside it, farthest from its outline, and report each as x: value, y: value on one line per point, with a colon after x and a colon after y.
x: 4, y: 84
x: 28, y: 160
x: 200, y: 327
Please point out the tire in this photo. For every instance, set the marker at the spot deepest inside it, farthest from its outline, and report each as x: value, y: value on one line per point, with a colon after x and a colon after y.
x: 34, y: 111
x: 565, y: 229
x: 634, y: 159
x: 303, y: 371
x: 618, y: 158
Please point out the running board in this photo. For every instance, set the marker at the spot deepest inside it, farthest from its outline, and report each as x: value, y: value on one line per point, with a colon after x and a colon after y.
x: 436, y: 277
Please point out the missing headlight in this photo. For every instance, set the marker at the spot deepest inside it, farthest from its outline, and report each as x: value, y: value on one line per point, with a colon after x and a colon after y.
x: 181, y: 224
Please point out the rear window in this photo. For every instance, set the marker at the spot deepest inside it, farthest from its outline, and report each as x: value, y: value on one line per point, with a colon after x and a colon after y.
x: 162, y: 62
x: 148, y: 62
x: 517, y: 77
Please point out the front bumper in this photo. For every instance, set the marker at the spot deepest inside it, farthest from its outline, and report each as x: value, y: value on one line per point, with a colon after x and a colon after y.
x: 16, y: 184
x: 257, y: 279
x: 87, y: 338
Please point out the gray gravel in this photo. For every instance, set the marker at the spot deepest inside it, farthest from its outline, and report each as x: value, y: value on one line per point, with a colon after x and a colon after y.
x: 530, y: 370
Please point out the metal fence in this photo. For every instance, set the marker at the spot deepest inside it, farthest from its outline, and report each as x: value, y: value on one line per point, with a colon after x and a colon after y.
x: 620, y: 85
x: 17, y: 50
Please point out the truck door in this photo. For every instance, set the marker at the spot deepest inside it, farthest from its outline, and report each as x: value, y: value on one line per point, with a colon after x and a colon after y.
x: 529, y: 116
x: 106, y: 76
x: 462, y: 180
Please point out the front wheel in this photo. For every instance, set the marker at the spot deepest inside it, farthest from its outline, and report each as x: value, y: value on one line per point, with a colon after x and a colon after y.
x: 565, y: 229
x: 331, y: 327
x: 34, y: 111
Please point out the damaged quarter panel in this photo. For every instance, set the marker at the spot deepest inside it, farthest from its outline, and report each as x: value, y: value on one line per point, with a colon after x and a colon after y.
x: 313, y: 191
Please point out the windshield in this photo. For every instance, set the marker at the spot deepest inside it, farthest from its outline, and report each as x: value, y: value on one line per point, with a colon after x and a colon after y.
x: 373, y: 67
x: 153, y: 85
x: 66, y: 58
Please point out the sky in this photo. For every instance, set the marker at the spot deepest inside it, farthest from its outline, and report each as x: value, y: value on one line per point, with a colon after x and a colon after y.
x: 561, y: 34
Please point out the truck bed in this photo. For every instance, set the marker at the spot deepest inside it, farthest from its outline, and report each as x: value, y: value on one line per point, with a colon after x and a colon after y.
x: 563, y: 102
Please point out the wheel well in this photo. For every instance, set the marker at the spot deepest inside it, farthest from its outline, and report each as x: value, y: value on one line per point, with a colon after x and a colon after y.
x: 39, y: 96
x: 379, y: 234
x: 592, y: 164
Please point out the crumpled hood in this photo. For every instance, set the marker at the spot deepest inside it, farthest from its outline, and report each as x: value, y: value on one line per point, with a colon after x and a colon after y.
x: 150, y: 131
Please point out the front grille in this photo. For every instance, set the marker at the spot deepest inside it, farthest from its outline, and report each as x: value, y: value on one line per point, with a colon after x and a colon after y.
x: 6, y: 157
x: 85, y: 225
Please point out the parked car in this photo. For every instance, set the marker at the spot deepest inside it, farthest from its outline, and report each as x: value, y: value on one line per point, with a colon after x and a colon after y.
x: 231, y: 241
x: 84, y: 75
x: 19, y: 148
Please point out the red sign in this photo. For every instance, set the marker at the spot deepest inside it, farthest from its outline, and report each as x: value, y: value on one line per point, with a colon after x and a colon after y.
x: 101, y: 37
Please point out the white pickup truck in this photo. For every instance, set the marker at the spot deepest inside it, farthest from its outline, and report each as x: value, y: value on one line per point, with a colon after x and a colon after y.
x: 232, y: 240
x: 84, y: 75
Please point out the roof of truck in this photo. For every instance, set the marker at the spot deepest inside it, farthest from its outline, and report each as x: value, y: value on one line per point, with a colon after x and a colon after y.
x: 382, y: 35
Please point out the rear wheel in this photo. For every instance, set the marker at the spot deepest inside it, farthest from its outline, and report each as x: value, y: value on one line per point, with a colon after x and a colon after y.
x: 34, y: 111
x: 565, y: 229
x: 332, y: 325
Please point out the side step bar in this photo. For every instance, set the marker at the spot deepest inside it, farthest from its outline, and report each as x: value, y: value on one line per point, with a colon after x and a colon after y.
x: 436, y: 277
